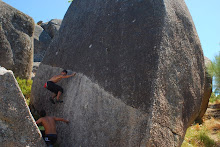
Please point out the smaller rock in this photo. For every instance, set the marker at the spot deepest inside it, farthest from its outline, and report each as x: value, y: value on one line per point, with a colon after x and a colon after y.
x: 52, y: 27
x: 17, y: 126
x: 35, y: 68
x: 41, y: 42
x: 16, y: 41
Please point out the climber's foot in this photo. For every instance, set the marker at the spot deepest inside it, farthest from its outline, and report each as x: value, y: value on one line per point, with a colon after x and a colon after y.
x: 52, y: 101
x: 59, y: 101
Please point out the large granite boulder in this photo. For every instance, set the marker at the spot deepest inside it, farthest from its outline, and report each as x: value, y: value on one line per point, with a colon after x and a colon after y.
x: 17, y: 126
x: 41, y: 42
x: 16, y: 41
x: 52, y: 27
x: 140, y: 73
x: 207, y: 91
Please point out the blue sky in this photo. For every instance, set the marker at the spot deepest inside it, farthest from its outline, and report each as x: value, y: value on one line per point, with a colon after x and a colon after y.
x: 205, y: 14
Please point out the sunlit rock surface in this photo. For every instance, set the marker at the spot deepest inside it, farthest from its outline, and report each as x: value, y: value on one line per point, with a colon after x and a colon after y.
x: 17, y: 126
x: 140, y: 73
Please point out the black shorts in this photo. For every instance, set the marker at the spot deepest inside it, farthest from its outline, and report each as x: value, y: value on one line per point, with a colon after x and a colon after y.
x: 50, y: 139
x: 54, y: 87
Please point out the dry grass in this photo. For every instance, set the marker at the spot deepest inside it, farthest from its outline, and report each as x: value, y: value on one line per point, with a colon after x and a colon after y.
x: 214, y: 126
x: 197, y: 136
x: 204, y: 135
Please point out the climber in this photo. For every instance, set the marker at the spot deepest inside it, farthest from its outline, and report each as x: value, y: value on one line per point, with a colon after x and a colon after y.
x: 49, y: 123
x: 56, y: 89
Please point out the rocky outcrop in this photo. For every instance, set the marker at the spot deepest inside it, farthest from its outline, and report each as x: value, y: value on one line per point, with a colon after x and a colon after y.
x: 41, y: 42
x: 52, y: 27
x: 16, y: 41
x: 207, y: 92
x: 43, y: 35
x: 140, y: 73
x: 17, y: 126
x: 35, y: 68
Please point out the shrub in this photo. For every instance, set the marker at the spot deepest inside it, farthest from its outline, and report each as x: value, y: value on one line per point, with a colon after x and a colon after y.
x: 214, y: 98
x: 25, y: 86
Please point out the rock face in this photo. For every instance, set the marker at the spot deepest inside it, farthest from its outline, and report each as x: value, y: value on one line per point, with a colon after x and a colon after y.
x: 43, y: 35
x: 16, y: 41
x: 52, y: 27
x: 17, y: 126
x: 35, y: 68
x: 140, y: 74
x: 41, y: 42
x: 207, y: 92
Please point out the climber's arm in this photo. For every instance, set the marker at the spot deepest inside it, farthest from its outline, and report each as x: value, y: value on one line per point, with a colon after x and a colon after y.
x: 39, y: 121
x: 67, y: 76
x: 61, y: 119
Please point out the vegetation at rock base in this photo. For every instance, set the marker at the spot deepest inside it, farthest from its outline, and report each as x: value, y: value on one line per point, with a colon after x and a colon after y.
x: 25, y: 86
x: 214, y: 98
x: 204, y: 135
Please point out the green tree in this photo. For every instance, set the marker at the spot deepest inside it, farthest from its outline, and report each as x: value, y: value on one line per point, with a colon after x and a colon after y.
x: 214, y: 71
